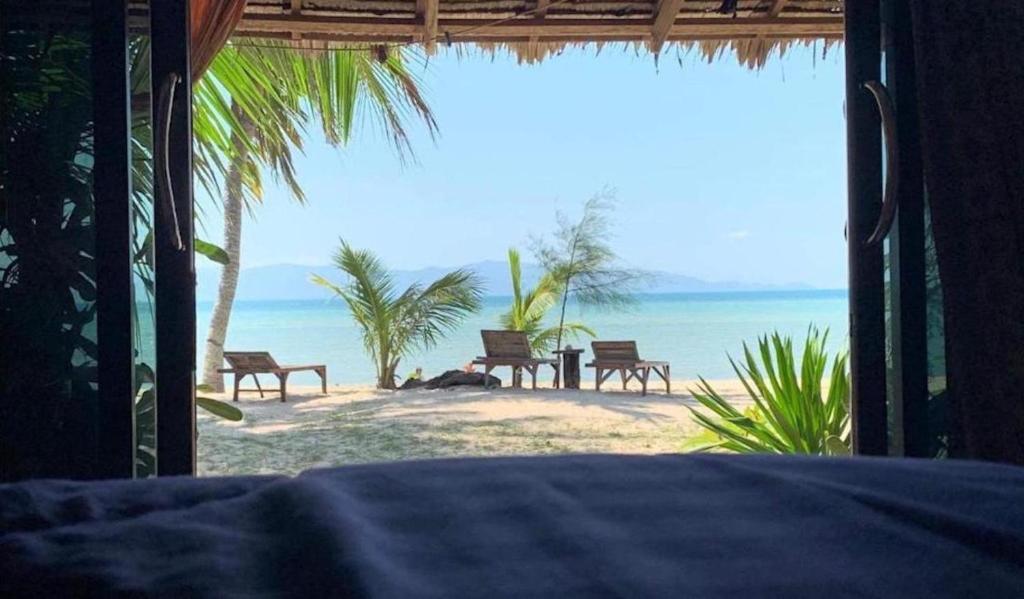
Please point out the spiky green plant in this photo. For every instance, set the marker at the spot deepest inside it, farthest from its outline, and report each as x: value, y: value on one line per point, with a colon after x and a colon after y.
x: 528, y: 309
x: 394, y: 324
x: 790, y: 413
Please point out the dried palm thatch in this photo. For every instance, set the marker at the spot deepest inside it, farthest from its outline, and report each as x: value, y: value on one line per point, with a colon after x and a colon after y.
x: 532, y: 30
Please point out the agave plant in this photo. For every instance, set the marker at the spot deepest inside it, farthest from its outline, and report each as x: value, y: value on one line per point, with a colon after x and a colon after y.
x: 529, y: 309
x: 394, y: 324
x: 790, y: 413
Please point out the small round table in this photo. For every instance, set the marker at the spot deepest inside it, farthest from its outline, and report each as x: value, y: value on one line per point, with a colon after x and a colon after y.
x: 570, y: 367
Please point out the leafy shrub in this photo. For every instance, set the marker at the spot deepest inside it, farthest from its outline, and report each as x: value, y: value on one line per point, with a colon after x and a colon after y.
x: 790, y: 413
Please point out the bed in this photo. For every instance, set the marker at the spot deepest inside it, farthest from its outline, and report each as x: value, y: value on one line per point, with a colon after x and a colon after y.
x: 565, y: 527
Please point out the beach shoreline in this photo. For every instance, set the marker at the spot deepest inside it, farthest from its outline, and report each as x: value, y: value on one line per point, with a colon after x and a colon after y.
x: 354, y: 424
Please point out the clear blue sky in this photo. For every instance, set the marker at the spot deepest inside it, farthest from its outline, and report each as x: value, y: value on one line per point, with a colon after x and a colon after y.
x: 721, y: 173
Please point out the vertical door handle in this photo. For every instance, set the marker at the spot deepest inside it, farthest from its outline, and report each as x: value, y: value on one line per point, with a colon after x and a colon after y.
x: 890, y: 196
x: 161, y: 149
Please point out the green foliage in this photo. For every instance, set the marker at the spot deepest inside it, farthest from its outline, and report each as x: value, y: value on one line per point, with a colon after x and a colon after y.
x: 214, y: 253
x: 145, y: 417
x: 394, y: 324
x: 258, y: 103
x: 221, y: 409
x: 789, y: 412
x: 528, y: 309
x: 48, y: 349
x: 582, y: 262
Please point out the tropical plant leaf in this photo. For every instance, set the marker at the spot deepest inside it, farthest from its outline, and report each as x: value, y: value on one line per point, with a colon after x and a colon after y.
x: 214, y: 252
x: 219, y: 408
x: 788, y: 413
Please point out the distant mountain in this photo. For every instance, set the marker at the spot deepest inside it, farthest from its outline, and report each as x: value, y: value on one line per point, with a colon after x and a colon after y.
x: 291, y: 281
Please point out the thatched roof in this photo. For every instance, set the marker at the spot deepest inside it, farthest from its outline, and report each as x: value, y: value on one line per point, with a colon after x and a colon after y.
x: 535, y: 29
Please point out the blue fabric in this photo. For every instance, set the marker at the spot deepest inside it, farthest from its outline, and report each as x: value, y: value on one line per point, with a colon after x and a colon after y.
x: 574, y: 526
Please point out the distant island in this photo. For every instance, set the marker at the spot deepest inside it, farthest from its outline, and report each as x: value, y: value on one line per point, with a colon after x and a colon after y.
x: 291, y: 281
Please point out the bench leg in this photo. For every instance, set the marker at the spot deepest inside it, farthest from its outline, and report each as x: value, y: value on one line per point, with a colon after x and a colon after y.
x: 487, y: 376
x: 533, y: 376
x: 645, y: 374
x: 663, y: 372
x: 238, y: 383
x: 622, y: 373
x: 283, y: 378
x: 258, y: 387
x: 323, y: 379
x: 558, y: 372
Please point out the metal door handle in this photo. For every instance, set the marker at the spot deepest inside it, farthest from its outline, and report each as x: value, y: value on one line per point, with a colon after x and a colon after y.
x: 890, y: 196
x: 161, y: 149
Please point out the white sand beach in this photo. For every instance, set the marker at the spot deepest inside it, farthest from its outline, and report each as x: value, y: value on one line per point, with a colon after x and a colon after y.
x: 356, y: 424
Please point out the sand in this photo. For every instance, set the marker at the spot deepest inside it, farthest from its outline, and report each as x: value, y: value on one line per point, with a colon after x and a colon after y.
x: 357, y: 424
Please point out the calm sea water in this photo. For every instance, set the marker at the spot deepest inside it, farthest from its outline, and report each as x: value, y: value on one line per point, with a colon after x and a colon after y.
x: 692, y: 331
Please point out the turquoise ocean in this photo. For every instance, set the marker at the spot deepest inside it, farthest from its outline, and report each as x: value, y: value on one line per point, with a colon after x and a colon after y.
x: 694, y: 331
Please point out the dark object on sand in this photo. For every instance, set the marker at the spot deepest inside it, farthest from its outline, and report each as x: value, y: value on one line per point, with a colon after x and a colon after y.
x: 453, y: 378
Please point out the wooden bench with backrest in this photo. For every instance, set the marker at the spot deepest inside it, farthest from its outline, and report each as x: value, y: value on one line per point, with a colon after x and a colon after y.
x: 246, y: 363
x: 512, y: 348
x: 623, y: 357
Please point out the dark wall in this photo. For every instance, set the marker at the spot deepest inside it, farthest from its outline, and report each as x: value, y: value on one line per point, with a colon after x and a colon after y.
x: 971, y: 88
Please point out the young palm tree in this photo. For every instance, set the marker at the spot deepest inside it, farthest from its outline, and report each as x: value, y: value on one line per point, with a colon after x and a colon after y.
x: 251, y: 110
x: 394, y: 324
x: 529, y: 309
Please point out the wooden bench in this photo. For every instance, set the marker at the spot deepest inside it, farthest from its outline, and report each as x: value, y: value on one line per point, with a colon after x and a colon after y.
x: 246, y: 363
x: 512, y: 348
x: 622, y: 356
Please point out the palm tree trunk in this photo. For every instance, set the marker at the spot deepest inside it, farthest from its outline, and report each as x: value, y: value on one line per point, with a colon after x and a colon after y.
x: 218, y: 329
x: 386, y: 380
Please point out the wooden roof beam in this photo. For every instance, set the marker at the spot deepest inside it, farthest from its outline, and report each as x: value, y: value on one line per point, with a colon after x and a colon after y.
x: 360, y: 40
x: 542, y: 9
x: 539, y: 13
x: 582, y: 29
x: 776, y: 8
x: 664, y: 16
x: 296, y: 10
x: 427, y: 12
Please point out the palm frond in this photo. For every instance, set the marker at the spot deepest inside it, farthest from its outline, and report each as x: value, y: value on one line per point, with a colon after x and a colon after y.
x: 394, y: 324
x: 528, y: 309
x: 443, y: 305
x: 283, y: 92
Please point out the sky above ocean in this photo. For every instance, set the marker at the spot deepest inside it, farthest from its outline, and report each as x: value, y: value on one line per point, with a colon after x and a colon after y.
x: 720, y: 172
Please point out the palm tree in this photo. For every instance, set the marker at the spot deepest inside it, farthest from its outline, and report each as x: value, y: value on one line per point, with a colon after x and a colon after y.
x: 394, y: 324
x: 529, y: 309
x: 251, y: 109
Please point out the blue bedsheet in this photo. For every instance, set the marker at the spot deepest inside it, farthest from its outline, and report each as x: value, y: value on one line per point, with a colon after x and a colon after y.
x: 562, y: 527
